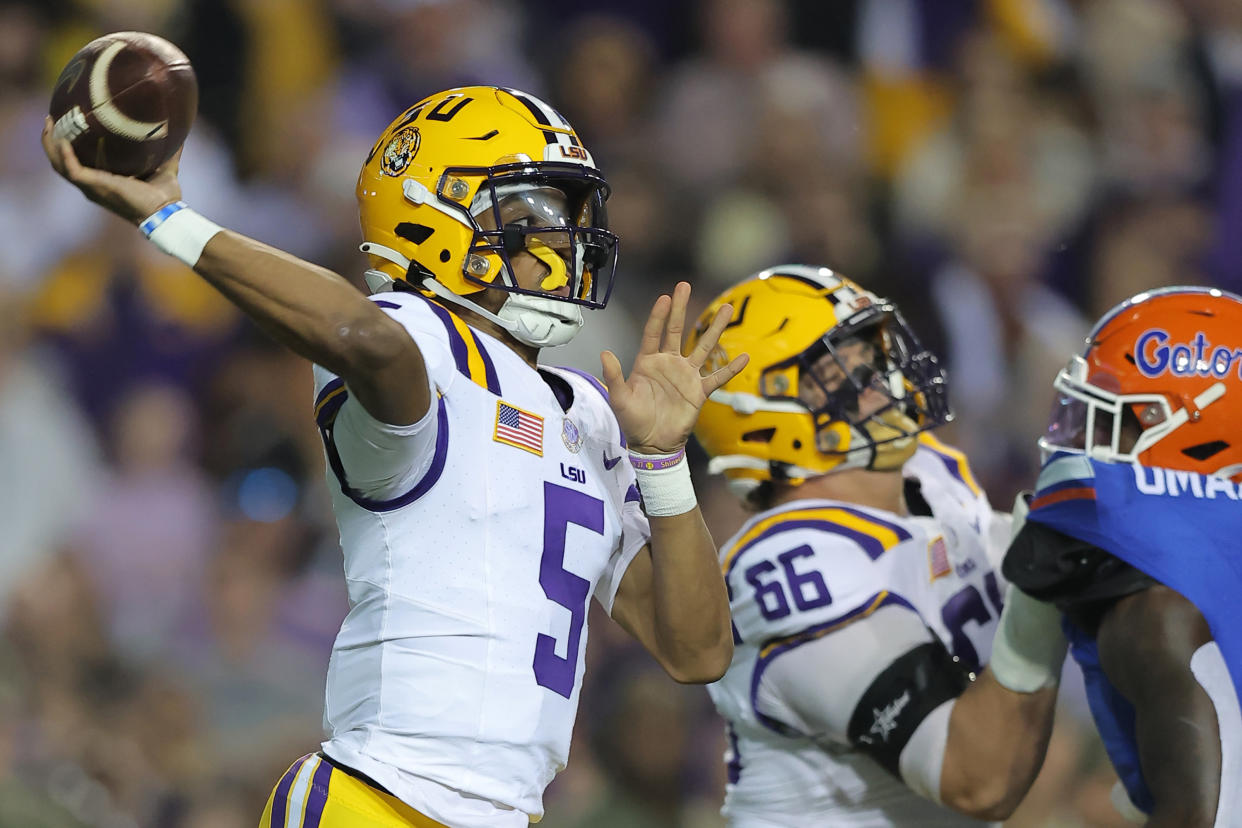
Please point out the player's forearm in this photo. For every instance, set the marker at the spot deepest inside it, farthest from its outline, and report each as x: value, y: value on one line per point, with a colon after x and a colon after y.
x: 1147, y: 644
x: 310, y: 309
x: 996, y: 745
x: 689, y: 600
x: 322, y: 317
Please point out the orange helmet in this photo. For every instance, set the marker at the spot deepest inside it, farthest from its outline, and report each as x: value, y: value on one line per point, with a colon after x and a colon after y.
x: 1160, y: 383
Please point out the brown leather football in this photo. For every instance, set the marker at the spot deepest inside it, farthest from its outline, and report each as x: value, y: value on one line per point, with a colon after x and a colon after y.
x: 126, y: 101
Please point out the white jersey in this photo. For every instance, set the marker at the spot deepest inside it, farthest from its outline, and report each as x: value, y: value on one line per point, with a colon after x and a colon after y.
x: 817, y: 572
x: 454, y: 679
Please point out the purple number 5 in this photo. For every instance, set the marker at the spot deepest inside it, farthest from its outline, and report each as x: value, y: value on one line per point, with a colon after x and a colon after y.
x: 562, y: 507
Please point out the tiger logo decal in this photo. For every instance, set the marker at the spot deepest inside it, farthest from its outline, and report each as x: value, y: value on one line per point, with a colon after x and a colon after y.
x: 400, y: 151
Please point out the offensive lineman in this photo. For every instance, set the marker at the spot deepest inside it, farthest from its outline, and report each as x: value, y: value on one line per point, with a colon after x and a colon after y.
x: 481, y: 500
x: 863, y: 594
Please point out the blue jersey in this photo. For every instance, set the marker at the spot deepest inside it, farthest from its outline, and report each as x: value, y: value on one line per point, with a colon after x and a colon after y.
x: 1181, y: 529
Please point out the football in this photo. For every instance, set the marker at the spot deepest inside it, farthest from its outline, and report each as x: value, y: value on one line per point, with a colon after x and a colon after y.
x: 125, y: 102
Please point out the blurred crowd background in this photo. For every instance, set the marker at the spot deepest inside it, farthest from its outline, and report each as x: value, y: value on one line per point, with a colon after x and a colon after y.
x: 170, y: 578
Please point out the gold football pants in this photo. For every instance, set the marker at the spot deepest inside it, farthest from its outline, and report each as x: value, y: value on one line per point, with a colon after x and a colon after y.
x: 314, y: 794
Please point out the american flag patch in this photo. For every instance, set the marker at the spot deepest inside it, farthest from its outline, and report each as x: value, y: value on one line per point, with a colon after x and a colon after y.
x: 938, y: 554
x: 518, y: 428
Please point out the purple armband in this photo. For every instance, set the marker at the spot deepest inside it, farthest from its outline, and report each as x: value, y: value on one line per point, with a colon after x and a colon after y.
x: 656, y: 462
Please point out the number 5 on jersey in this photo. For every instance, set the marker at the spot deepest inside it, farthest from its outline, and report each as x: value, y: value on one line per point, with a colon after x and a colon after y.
x: 561, y: 507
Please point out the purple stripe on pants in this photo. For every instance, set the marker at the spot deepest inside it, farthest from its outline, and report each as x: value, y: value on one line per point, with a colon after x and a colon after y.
x: 318, y: 795
x: 280, y: 802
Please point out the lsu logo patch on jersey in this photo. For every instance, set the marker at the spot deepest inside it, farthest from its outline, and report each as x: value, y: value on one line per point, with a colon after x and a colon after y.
x: 518, y: 428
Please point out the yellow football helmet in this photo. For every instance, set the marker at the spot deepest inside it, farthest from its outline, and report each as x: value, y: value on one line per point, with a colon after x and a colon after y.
x: 836, y: 380
x: 433, y: 188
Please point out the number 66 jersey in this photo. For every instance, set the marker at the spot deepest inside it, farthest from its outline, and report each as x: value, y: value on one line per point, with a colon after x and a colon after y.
x: 472, y: 543
x: 835, y: 607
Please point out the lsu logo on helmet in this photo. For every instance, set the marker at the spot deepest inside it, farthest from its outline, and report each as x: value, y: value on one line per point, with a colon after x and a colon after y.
x: 400, y: 151
x: 836, y: 380
x: 1160, y: 383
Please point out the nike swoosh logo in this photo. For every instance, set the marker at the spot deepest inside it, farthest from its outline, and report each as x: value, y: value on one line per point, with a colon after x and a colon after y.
x: 609, y: 462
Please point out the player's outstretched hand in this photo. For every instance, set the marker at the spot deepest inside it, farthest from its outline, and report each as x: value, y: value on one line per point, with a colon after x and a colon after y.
x: 133, y: 199
x: 659, y: 402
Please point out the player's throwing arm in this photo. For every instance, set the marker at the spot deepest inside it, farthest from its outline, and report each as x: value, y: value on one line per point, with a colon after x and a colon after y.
x: 313, y: 311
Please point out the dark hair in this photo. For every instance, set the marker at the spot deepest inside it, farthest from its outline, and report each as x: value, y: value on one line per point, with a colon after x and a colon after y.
x: 764, y: 496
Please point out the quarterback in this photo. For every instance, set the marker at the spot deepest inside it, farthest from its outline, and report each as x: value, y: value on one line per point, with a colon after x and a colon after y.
x: 1133, y: 533
x: 481, y: 499
x: 864, y: 596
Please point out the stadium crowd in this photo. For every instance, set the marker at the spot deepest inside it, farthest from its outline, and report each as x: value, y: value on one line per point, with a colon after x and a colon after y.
x: 170, y: 578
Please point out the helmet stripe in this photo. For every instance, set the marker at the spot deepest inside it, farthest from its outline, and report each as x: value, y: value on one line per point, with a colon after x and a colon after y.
x: 820, y: 278
x: 540, y: 118
x: 1151, y: 294
x: 547, y: 116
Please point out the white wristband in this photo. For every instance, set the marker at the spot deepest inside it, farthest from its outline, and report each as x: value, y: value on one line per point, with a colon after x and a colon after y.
x: 1029, y: 648
x: 179, y: 231
x: 664, y: 481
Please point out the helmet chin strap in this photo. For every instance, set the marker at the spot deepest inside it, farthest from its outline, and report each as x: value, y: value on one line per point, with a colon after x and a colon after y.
x: 882, y: 442
x: 892, y: 439
x: 532, y: 320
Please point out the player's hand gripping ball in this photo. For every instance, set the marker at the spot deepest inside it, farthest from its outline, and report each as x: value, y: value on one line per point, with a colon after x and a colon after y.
x: 125, y: 102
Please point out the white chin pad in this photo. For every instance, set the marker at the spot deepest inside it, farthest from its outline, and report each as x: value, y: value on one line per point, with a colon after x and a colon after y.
x: 540, y: 322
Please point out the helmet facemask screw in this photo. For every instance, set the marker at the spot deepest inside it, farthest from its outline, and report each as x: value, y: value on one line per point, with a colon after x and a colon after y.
x: 478, y: 265
x: 826, y: 440
x: 458, y: 189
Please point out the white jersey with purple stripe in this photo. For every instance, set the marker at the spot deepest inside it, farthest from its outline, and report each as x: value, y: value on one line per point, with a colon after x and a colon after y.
x: 805, y: 570
x: 454, y: 679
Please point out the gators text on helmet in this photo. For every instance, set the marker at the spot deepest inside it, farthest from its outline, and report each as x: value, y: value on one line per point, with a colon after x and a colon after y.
x: 1160, y: 383
x: 836, y: 380
x: 431, y: 196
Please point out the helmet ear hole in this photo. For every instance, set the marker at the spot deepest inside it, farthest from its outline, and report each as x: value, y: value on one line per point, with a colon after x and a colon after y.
x: 414, y: 233
x: 761, y: 435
